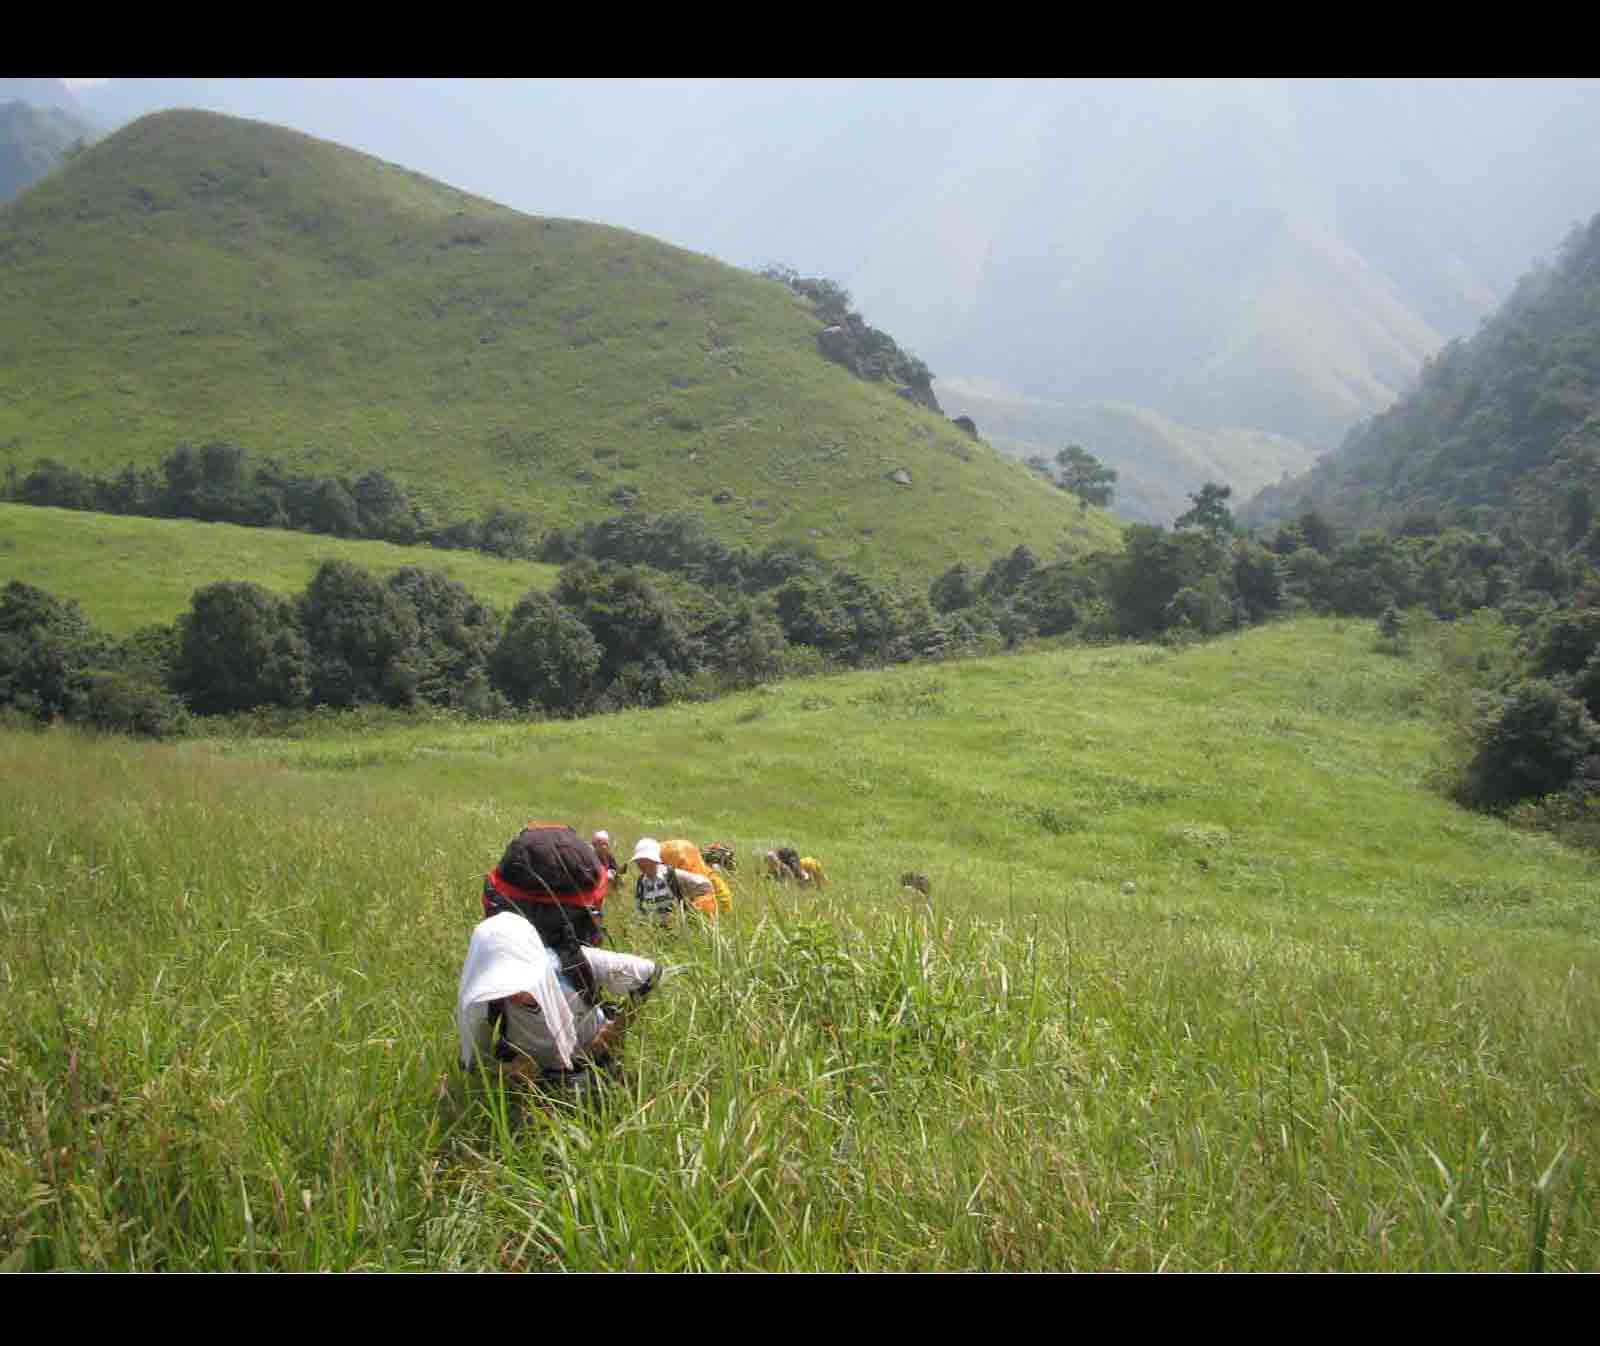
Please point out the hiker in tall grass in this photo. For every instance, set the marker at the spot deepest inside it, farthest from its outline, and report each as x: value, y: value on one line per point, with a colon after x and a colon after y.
x: 516, y: 1006
x: 686, y: 857
x: 552, y: 878
x: 663, y: 888
x: 786, y: 863
x: 720, y: 855
x: 601, y: 841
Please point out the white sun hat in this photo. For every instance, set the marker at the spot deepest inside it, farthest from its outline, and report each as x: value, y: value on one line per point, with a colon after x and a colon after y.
x: 648, y: 849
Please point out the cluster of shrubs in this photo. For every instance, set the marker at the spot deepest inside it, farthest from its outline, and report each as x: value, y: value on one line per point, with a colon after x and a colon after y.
x: 1532, y: 729
x: 349, y: 639
x: 847, y: 339
x: 218, y: 483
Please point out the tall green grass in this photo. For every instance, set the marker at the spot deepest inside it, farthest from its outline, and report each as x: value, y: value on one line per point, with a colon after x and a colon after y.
x: 1207, y: 979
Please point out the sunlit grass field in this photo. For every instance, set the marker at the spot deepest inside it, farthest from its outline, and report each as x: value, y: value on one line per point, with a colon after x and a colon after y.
x: 1208, y: 978
x: 126, y: 573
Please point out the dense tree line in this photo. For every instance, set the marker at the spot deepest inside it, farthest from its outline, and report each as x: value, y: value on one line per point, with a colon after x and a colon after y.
x: 219, y: 483
x: 1200, y: 578
x: 606, y: 637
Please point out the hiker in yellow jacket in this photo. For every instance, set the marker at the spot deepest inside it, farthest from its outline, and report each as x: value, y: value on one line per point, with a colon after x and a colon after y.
x: 787, y: 863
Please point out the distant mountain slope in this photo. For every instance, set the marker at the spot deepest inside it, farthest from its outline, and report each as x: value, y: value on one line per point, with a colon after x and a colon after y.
x: 1159, y: 463
x: 197, y: 277
x: 1280, y: 255
x: 1502, y: 429
x: 34, y: 140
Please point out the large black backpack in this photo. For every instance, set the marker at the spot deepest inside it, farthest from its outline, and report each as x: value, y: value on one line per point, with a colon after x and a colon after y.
x: 551, y: 861
x: 558, y: 875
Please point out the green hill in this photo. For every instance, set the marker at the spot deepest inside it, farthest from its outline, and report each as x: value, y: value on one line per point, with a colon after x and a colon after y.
x: 126, y: 573
x: 196, y: 277
x: 1501, y: 429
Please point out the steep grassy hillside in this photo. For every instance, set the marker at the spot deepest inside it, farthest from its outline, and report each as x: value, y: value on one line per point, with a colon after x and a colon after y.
x: 1159, y: 463
x: 1207, y: 979
x: 127, y: 573
x: 195, y: 277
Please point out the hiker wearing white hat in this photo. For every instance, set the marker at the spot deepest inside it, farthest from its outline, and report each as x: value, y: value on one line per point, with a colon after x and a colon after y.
x: 662, y: 888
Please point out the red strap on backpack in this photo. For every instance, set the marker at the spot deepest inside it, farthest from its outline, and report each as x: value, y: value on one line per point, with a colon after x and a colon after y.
x: 594, y: 899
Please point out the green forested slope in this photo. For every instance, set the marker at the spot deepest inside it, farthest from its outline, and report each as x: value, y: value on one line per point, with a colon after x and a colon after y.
x: 1501, y: 429
x: 197, y: 277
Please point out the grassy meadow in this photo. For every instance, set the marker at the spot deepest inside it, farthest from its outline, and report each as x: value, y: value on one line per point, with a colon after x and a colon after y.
x: 1208, y: 979
x: 128, y: 572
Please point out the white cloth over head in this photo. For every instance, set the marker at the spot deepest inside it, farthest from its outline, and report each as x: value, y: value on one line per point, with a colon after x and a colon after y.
x: 506, y: 957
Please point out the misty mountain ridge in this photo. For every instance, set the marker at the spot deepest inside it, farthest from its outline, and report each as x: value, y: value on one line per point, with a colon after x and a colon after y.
x: 1264, y: 255
x: 42, y: 93
x: 34, y: 140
